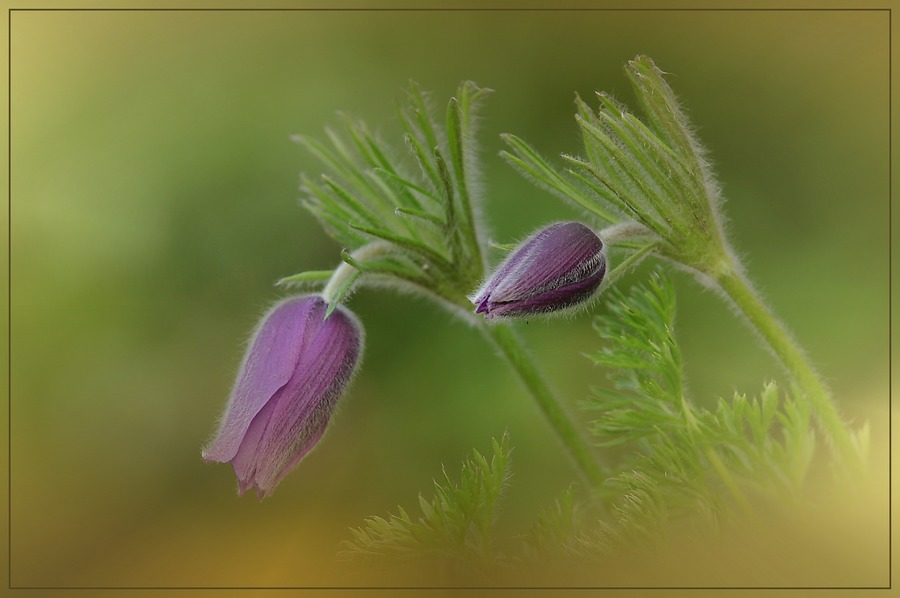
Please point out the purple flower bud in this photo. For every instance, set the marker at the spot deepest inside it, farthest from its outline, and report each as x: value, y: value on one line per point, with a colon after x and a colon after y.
x: 555, y: 268
x: 296, y: 368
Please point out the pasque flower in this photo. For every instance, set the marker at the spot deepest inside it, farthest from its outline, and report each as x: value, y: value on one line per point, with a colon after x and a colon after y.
x: 558, y: 267
x: 297, y: 366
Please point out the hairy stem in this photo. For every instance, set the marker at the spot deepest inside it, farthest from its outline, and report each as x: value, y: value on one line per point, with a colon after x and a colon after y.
x: 505, y: 338
x: 346, y: 272
x: 737, y: 288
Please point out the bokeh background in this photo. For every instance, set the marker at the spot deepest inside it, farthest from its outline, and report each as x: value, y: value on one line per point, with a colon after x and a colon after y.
x: 154, y: 203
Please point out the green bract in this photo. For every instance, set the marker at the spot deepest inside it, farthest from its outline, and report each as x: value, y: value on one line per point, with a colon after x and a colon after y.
x: 416, y: 226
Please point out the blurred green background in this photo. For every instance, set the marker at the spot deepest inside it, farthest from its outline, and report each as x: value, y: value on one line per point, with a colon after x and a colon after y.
x: 154, y: 203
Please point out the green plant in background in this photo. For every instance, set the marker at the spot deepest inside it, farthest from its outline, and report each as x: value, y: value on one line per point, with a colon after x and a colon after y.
x: 646, y: 190
x: 687, y: 460
x: 457, y: 524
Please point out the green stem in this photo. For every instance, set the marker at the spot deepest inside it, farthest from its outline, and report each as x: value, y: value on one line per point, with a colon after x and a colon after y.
x: 741, y: 292
x: 505, y: 338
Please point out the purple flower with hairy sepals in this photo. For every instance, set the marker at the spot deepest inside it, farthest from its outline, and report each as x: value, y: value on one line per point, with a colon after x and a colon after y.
x: 558, y: 267
x: 297, y: 366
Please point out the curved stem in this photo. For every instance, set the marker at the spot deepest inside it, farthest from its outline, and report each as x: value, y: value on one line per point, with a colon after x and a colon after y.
x: 346, y: 273
x: 740, y: 291
x: 505, y: 338
x: 624, y: 231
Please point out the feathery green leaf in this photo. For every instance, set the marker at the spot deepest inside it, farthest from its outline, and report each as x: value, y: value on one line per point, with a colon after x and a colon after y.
x: 456, y: 524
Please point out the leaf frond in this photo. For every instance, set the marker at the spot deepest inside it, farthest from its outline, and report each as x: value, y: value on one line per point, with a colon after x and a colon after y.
x: 457, y: 523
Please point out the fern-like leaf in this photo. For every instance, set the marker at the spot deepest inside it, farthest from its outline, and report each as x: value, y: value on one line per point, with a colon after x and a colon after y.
x: 686, y: 463
x: 367, y: 194
x: 456, y: 524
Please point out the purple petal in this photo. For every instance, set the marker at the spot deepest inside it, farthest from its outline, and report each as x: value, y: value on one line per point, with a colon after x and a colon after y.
x: 305, y: 404
x: 558, y: 255
x: 296, y: 369
x: 294, y: 418
x: 513, y: 262
x: 559, y: 266
x: 552, y: 299
x: 244, y: 462
x: 269, y: 364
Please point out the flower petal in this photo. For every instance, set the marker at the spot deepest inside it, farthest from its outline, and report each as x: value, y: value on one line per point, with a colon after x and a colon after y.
x: 304, y: 406
x: 556, y: 257
x: 552, y: 299
x: 557, y: 267
x: 269, y: 364
x: 244, y: 462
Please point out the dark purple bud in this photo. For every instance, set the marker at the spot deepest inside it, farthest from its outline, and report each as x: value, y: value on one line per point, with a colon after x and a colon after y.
x: 557, y: 267
x: 296, y: 368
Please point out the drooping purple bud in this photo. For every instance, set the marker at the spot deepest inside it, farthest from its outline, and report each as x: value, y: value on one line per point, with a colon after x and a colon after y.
x: 559, y: 266
x: 297, y: 366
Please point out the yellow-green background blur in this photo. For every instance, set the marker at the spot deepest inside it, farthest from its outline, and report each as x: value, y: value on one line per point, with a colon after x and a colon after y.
x: 154, y: 203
